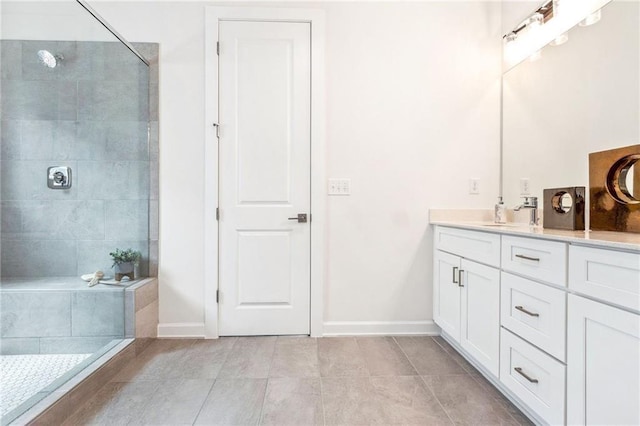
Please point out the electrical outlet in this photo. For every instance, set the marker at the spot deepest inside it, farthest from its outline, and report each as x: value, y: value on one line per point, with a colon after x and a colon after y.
x: 525, y: 186
x: 339, y: 186
x: 474, y: 186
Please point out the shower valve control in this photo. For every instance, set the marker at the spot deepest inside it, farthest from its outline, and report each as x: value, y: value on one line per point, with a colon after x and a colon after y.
x: 59, y: 177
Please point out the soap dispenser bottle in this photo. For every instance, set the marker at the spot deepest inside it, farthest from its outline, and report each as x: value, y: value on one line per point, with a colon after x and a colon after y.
x: 500, y: 212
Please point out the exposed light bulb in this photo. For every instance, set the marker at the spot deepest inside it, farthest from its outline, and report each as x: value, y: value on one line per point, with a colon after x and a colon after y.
x: 594, y: 18
x: 535, y: 21
x: 535, y: 56
x: 556, y: 7
x: 561, y: 39
x: 512, y: 36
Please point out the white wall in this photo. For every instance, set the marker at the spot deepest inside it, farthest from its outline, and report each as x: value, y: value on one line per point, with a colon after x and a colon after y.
x: 412, y: 113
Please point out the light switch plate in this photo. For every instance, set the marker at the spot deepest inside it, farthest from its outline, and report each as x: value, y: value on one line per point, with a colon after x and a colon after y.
x: 339, y: 186
x: 474, y: 186
x: 525, y: 186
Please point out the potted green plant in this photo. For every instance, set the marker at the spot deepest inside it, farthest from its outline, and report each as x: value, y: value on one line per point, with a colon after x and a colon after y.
x: 124, y: 262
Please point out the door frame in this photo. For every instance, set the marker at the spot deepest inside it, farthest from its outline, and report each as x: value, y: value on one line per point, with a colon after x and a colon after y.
x: 316, y: 19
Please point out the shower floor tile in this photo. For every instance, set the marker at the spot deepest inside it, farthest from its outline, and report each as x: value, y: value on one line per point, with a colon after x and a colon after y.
x: 22, y: 376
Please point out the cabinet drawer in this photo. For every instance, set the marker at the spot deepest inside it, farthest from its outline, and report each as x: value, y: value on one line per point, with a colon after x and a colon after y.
x: 609, y: 275
x: 482, y: 247
x: 538, y: 259
x: 535, y: 312
x: 536, y: 378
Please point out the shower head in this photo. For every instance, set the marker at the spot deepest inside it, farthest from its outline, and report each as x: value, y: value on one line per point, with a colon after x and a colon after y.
x: 48, y: 59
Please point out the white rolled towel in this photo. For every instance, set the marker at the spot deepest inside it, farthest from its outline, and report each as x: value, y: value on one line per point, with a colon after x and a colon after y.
x: 97, y: 276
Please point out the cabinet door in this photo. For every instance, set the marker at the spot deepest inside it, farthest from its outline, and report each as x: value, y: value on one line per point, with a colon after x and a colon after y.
x: 480, y: 319
x: 446, y: 293
x: 603, y: 364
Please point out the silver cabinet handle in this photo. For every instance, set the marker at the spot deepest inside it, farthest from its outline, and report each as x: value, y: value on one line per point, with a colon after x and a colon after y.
x: 455, y: 272
x: 460, y: 272
x: 525, y: 375
x: 301, y: 218
x: 522, y: 256
x: 521, y: 309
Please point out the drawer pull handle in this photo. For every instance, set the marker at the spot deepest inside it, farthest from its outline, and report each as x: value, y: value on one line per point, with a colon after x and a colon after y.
x: 521, y: 309
x: 523, y: 374
x: 455, y: 273
x: 460, y: 277
x: 522, y: 256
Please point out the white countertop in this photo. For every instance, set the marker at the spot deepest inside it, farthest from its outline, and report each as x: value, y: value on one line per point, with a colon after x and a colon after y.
x: 478, y: 222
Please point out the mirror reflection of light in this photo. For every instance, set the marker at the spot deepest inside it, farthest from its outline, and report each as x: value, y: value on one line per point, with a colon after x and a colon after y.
x: 561, y: 39
x: 594, y: 18
x: 535, y: 56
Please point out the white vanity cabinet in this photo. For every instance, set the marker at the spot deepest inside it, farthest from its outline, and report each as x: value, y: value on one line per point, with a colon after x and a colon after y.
x: 467, y: 293
x: 556, y: 322
x: 603, y: 373
x: 603, y: 366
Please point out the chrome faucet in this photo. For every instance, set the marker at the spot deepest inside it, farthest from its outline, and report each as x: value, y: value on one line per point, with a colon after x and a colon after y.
x: 530, y: 203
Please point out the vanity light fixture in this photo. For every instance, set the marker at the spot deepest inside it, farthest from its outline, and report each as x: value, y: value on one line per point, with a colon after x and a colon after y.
x: 594, y: 18
x: 512, y: 36
x: 535, y: 21
x: 561, y: 39
x: 539, y: 17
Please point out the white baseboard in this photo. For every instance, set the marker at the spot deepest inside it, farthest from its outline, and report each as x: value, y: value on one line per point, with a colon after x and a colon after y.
x: 378, y: 328
x: 181, y: 330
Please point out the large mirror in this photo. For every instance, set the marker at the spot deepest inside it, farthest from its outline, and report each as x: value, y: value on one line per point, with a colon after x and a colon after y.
x: 578, y: 97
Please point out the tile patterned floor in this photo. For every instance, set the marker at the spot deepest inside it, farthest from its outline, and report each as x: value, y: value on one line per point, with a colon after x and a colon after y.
x: 22, y: 376
x: 298, y: 381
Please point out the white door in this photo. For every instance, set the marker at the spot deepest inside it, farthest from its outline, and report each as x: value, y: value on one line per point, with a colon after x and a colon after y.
x: 264, y: 152
x: 603, y: 364
x: 480, y: 308
x: 446, y: 293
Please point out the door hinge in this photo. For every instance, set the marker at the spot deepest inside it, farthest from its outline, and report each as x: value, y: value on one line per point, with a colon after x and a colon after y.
x: 218, y: 48
x: 217, y: 213
x: 217, y: 296
x: 217, y: 126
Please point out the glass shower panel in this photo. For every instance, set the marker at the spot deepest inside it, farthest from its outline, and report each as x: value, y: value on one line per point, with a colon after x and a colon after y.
x: 74, y: 186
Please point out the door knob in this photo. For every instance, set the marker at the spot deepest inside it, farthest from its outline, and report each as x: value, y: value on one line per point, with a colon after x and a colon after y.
x: 301, y: 218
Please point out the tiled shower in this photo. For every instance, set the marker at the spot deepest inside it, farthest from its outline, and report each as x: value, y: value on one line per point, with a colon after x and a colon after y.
x: 96, y: 113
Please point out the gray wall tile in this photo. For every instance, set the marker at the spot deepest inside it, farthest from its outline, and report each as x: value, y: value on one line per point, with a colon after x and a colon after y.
x: 21, y: 258
x: 11, y: 218
x: 27, y: 180
x: 127, y: 220
x: 97, y: 313
x: 11, y: 136
x: 154, y: 181
x: 111, y: 100
x: 11, y: 59
x: 62, y: 220
x: 35, y: 314
x: 118, y: 180
x: 154, y: 101
x: 47, y: 140
x: 154, y: 219
x: 39, y: 100
x: 154, y: 141
x: 121, y: 64
x: 19, y: 345
x: 75, y: 345
x: 114, y: 140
